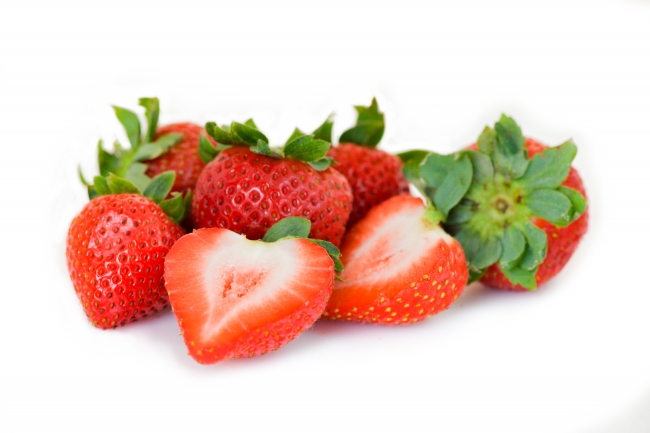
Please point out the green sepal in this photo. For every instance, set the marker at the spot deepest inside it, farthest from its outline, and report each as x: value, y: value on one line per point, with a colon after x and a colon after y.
x: 295, y: 134
x: 415, y: 156
x: 251, y: 123
x: 289, y: 226
x: 482, y: 168
x: 470, y: 241
x: 487, y: 141
x: 454, y: 186
x: 578, y: 202
x: 513, y: 244
x: 174, y: 207
x: 488, y: 253
x: 108, y: 163
x: 207, y: 151
x: 549, y: 168
x: 82, y: 179
x: 92, y: 192
x: 101, y: 186
x: 160, y: 186
x: 246, y: 134
x: 551, y: 205
x: 509, y: 156
x: 369, y: 128
x: 263, y: 148
x: 536, y: 247
x: 525, y: 278
x: 474, y: 275
x: 119, y: 185
x: 333, y: 252
x: 322, y: 164
x: 131, y: 124
x: 461, y: 213
x: 411, y: 168
x: 434, y: 168
x: 151, y: 111
x: 148, y: 151
x: 324, y: 131
x: 306, y: 148
x: 220, y: 135
x: 135, y: 174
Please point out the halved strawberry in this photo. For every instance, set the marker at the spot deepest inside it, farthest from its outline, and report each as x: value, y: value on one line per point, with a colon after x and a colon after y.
x: 234, y: 297
x: 400, y: 266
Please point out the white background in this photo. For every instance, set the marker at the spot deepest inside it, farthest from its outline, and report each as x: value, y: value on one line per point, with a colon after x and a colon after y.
x: 571, y: 357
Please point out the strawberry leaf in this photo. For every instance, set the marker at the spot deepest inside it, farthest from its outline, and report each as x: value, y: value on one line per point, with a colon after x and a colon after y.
x: 101, y: 186
x: 152, y: 110
x: 220, y: 135
x: 454, y: 186
x: 136, y: 175
x: 306, y: 148
x: 513, y: 245
x: 369, y: 128
x: 131, y: 124
x: 108, y: 163
x: 250, y: 123
x: 578, y: 202
x: 207, y: 151
x: 509, y: 156
x: 324, y: 131
x: 322, y: 164
x: 536, y: 247
x: 549, y: 168
x: 551, y: 205
x: 263, y: 148
x: 174, y: 207
x: 160, y: 186
x: 288, y: 227
x: 246, y: 134
x: 488, y: 253
x: 295, y: 134
x: 118, y: 185
x: 523, y: 277
x: 482, y: 168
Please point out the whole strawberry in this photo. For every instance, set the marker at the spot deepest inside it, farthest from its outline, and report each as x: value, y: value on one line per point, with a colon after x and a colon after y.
x: 374, y: 175
x: 171, y: 147
x: 517, y: 208
x: 116, y: 247
x: 249, y: 186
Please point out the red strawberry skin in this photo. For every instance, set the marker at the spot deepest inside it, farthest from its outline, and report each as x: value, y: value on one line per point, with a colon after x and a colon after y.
x: 374, y: 176
x: 115, y: 250
x: 248, y: 193
x: 562, y: 242
x: 183, y: 157
x: 236, y: 298
x: 398, y: 269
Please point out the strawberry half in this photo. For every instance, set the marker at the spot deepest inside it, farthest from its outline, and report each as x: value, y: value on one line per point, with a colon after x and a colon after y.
x: 502, y: 203
x: 400, y: 266
x: 234, y: 297
x: 116, y: 247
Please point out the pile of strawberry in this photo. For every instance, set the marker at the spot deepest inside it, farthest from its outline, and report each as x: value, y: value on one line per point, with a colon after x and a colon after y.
x: 242, y: 238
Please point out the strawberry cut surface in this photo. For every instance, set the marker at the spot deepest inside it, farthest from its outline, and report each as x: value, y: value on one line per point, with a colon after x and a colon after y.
x: 234, y: 297
x: 399, y: 267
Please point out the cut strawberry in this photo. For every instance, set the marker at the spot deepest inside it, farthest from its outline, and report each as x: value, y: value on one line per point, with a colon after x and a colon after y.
x: 234, y: 297
x: 400, y: 266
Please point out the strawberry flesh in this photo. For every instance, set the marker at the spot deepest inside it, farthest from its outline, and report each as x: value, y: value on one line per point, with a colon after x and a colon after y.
x: 234, y: 297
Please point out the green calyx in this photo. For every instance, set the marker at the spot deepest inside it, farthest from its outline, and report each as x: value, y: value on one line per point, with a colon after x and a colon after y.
x: 369, y: 128
x: 307, y: 148
x: 488, y: 198
x: 175, y: 207
x: 130, y: 163
x: 297, y: 227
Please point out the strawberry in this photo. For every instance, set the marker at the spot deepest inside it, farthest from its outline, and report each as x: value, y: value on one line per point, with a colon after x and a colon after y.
x: 116, y: 247
x: 172, y: 147
x: 248, y: 187
x: 374, y: 175
x: 234, y: 297
x: 517, y: 207
x: 400, y: 266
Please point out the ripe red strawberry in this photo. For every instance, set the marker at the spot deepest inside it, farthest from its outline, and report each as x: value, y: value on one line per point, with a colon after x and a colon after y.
x: 517, y: 208
x: 374, y: 175
x: 400, y: 266
x: 248, y: 188
x: 562, y: 241
x: 116, y: 247
x: 234, y: 297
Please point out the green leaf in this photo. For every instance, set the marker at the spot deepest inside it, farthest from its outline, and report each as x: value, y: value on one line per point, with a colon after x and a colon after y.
x: 475, y: 275
x: 461, y: 213
x: 168, y: 140
x: 289, y: 226
x: 151, y: 110
x: 454, y: 186
x: 251, y: 123
x: 322, y: 164
x: 220, y: 135
x: 119, y: 185
x: 523, y: 277
x: 263, y: 148
x: 306, y: 148
x: 160, y: 186
x: 414, y: 156
x: 324, y: 131
x: 411, y: 173
x: 81, y: 176
x: 246, y: 134
x: 513, y: 243
x: 92, y: 192
x: 135, y: 174
x: 101, y: 186
x: 333, y: 252
x: 369, y: 127
x: 551, y: 205
x: 108, y: 163
x: 131, y: 124
x: 487, y: 141
x: 549, y: 168
x: 147, y: 152
x: 174, y: 207
x: 435, y: 167
x: 295, y: 134
x: 509, y: 156
x: 207, y: 151
x: 577, y: 200
x: 483, y: 171
x: 488, y: 253
x: 470, y: 241
x: 536, y: 247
